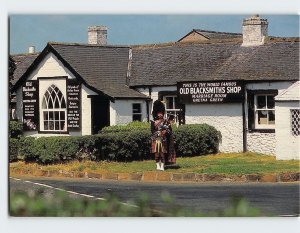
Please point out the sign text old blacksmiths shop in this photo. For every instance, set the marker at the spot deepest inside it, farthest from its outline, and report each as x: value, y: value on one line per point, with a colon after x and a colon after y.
x: 210, y: 92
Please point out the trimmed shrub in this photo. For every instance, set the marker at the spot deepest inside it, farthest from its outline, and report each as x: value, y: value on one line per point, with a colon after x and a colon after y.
x: 15, y: 129
x: 120, y: 145
x: 126, y: 145
x: 13, y: 149
x: 130, y: 126
x: 26, y: 149
x: 196, y: 139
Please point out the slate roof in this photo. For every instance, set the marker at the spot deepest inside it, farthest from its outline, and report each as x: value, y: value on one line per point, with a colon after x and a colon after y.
x: 214, y: 34
x: 167, y: 65
x: 23, y: 61
x: 102, y: 67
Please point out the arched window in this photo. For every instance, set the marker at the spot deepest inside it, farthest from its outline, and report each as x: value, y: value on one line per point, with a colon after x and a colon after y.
x: 54, y: 110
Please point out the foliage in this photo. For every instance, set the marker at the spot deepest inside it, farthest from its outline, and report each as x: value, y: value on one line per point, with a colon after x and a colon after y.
x: 34, y: 204
x: 125, y: 145
x: 11, y: 70
x: 13, y: 149
x: 117, y: 145
x: 15, y: 129
x: 196, y: 139
x: 130, y: 126
x: 48, y: 150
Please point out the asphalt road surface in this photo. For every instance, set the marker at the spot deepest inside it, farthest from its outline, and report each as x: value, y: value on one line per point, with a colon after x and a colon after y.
x: 281, y: 199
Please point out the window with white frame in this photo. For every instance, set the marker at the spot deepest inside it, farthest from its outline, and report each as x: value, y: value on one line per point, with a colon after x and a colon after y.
x: 54, y: 110
x: 172, y: 106
x: 264, y: 109
x: 136, y: 112
x: 295, y: 122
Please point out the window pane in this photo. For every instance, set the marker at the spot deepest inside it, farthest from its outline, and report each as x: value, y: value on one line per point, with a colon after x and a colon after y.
x: 261, y: 101
x: 45, y: 115
x: 50, y: 103
x: 62, y: 115
x: 51, y: 116
x: 62, y: 125
x: 271, y: 117
x: 136, y: 117
x: 177, y: 105
x: 56, y: 125
x: 262, y: 117
x: 56, y: 115
x: 46, y: 125
x: 56, y: 103
x: 63, y: 103
x: 270, y: 102
x: 51, y: 125
x: 136, y: 108
x: 170, y: 102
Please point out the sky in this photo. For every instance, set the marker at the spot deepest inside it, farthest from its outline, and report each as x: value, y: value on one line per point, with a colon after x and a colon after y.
x: 37, y: 30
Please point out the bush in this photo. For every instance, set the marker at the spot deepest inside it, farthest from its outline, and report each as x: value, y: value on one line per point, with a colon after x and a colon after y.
x: 196, y: 139
x: 130, y: 126
x: 15, y: 129
x: 13, y: 149
x: 126, y: 145
x: 117, y: 145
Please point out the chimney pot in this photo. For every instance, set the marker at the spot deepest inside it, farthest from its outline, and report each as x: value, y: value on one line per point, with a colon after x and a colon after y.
x: 97, y: 35
x: 31, y: 49
x: 255, y: 31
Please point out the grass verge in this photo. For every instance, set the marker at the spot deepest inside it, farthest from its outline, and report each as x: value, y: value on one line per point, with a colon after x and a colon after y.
x: 222, y: 163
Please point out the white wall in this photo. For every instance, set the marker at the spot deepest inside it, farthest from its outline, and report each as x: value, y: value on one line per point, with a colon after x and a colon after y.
x: 86, y: 111
x: 227, y: 118
x: 287, y: 145
x: 154, y: 94
x: 121, y: 111
x: 50, y: 66
x: 260, y: 142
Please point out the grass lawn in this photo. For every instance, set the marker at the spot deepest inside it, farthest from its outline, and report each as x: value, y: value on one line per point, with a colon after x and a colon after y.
x: 223, y: 163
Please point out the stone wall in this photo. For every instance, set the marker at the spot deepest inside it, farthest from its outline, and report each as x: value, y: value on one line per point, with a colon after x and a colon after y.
x: 261, y: 142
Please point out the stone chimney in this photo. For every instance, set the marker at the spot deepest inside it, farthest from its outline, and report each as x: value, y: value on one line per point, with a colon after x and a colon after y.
x: 255, y: 31
x: 31, y: 49
x: 97, y: 35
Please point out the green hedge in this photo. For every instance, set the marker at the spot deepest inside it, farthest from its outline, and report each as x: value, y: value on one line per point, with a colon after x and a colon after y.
x: 130, y: 126
x: 116, y: 145
x: 15, y: 129
x: 13, y: 149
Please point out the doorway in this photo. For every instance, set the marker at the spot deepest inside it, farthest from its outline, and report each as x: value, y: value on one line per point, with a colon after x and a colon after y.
x: 100, y: 114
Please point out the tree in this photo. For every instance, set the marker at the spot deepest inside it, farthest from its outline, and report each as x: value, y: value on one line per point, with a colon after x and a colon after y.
x: 11, y: 70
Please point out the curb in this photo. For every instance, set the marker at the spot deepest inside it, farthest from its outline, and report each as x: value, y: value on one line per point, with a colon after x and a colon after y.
x: 158, y: 176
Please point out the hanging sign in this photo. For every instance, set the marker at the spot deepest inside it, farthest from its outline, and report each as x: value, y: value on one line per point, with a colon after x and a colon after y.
x: 210, y: 92
x: 30, y: 105
x: 74, y: 105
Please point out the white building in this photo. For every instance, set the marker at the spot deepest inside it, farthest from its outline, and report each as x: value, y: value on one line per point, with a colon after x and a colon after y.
x: 287, y: 108
x: 227, y: 81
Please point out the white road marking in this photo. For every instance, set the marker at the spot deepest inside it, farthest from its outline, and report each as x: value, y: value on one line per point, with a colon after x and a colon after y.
x: 71, y: 192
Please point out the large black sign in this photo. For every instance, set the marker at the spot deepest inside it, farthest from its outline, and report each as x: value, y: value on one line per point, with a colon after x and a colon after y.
x: 30, y: 96
x: 74, y: 108
x: 210, y: 92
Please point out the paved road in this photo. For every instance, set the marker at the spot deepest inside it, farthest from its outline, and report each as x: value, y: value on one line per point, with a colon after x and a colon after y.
x: 275, y: 198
